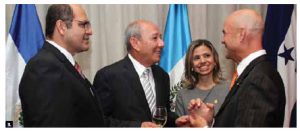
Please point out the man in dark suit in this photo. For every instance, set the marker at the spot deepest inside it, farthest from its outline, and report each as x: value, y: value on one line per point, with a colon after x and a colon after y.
x: 257, y: 99
x: 53, y: 90
x: 121, y: 86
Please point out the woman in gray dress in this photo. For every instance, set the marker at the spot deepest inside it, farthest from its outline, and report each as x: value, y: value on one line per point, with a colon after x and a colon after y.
x: 202, y: 77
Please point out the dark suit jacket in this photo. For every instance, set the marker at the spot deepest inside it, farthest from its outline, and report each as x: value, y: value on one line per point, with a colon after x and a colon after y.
x: 256, y: 100
x: 53, y: 94
x: 121, y: 93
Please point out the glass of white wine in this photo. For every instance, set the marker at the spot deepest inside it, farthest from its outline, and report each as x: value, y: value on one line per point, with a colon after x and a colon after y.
x: 160, y: 116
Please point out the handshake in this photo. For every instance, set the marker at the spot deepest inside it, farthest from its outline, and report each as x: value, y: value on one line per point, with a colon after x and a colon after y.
x: 200, y: 115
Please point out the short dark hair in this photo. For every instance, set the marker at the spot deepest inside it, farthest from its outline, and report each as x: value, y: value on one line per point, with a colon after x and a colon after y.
x: 56, y: 12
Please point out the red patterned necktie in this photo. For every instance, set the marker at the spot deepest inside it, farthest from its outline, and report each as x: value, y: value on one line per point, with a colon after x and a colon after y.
x: 77, y: 67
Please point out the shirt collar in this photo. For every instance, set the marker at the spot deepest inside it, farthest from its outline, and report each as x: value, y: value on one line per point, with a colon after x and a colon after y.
x: 246, y: 61
x: 67, y: 54
x: 139, y: 68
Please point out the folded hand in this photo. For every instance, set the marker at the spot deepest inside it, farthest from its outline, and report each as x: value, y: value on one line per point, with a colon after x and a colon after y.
x: 201, y: 114
x: 149, y: 125
x: 183, y: 121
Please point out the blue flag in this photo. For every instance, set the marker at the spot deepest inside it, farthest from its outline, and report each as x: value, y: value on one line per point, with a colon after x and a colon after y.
x: 26, y: 31
x: 24, y: 40
x: 279, y: 41
x: 177, y: 37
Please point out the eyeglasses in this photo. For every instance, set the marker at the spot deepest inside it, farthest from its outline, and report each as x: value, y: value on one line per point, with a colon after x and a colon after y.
x: 83, y: 24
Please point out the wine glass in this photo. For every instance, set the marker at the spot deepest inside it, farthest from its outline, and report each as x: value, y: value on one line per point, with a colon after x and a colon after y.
x: 160, y: 116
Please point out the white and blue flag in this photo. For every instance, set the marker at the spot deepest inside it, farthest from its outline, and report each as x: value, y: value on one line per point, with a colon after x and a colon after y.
x: 177, y: 38
x: 280, y: 43
x: 24, y: 40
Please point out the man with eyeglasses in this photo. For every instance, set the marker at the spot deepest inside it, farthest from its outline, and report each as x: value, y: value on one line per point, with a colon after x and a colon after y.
x: 53, y: 90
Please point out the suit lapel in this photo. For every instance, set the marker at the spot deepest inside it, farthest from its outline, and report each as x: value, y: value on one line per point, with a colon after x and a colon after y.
x: 240, y: 80
x: 135, y: 83
x: 66, y: 62
x: 158, y: 86
x: 61, y: 57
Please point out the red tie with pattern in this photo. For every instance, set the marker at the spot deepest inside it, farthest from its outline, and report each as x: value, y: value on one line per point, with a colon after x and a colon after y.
x: 77, y: 67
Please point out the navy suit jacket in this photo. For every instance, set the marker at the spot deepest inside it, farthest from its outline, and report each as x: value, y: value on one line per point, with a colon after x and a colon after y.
x: 257, y: 98
x: 122, y: 96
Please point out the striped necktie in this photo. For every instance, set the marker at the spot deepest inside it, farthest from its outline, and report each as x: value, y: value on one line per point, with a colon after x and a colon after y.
x: 148, y: 90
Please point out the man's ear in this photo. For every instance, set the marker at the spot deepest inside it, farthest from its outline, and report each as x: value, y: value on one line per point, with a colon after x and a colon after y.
x: 134, y: 43
x: 242, y: 34
x: 61, y: 27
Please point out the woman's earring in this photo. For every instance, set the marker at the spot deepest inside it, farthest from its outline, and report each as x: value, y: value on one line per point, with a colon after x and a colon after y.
x: 192, y: 69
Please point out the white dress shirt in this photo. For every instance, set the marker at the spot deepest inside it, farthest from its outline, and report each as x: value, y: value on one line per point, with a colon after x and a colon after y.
x: 246, y: 61
x: 67, y: 54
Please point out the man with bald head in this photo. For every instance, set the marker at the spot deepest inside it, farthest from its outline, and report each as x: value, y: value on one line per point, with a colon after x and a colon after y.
x: 131, y: 88
x: 257, y: 98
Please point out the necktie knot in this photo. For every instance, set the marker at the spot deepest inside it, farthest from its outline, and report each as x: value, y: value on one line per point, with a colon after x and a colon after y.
x: 146, y: 73
x: 77, y: 67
